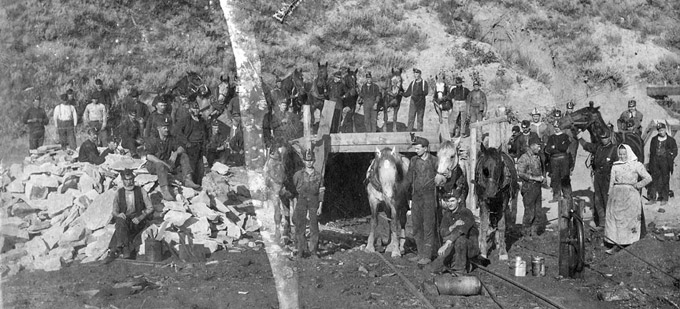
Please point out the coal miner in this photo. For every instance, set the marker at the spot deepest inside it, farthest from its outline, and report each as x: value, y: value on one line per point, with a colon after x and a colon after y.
x: 458, y: 95
x: 193, y: 134
x: 88, y: 149
x: 476, y: 103
x: 604, y: 155
x: 66, y: 120
x: 131, y: 207
x: 417, y: 90
x: 96, y: 115
x: 337, y: 92
x: 36, y: 119
x: 310, y: 203
x: 129, y: 133
x: 420, y: 178
x: 520, y: 142
x: 530, y: 170
x: 557, y: 149
x: 662, y: 154
x: 369, y: 96
x: 631, y: 114
x: 216, y: 147
x: 160, y: 115
x: 164, y: 154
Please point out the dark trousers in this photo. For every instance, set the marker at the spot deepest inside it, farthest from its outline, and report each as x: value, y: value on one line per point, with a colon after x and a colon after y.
x: 661, y: 175
x: 103, y: 135
x: 67, y: 134
x: 306, y: 204
x: 337, y: 116
x: 348, y: 125
x: 456, y: 256
x: 36, y: 139
x: 531, y: 196
x: 215, y: 156
x: 560, y: 179
x: 424, y: 218
x: 475, y: 114
x: 130, y: 144
x: 600, y: 197
x: 125, y: 233
x: 195, y: 154
x: 162, y: 171
x: 416, y: 110
x: 370, y: 117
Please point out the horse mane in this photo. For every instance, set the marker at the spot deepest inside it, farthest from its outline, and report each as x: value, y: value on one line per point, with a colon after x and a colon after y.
x: 386, y: 155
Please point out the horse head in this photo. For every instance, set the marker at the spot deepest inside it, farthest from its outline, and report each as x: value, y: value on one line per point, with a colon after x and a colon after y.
x: 448, y: 160
x: 440, y: 88
x: 350, y: 80
x: 389, y: 169
x: 322, y: 70
x: 489, y: 173
x: 587, y: 118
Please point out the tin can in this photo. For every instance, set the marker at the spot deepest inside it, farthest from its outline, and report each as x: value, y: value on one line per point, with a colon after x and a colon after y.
x: 520, y: 268
x: 538, y: 266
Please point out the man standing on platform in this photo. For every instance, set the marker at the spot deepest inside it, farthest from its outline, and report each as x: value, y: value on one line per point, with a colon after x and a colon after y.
x: 337, y: 91
x: 476, y: 103
x: 368, y: 97
x: 417, y: 90
x: 192, y: 133
x: 420, y: 179
x: 662, y: 152
x: 36, y: 119
x: 458, y: 95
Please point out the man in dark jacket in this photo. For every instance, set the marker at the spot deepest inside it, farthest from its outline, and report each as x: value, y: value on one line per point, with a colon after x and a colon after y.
x: 560, y: 162
x: 337, y: 92
x: 604, y: 156
x: 420, y: 179
x: 458, y: 95
x: 369, y: 96
x: 216, y: 148
x: 88, y: 149
x: 417, y: 90
x: 631, y: 114
x: 131, y: 207
x: 520, y: 143
x: 129, y: 133
x: 158, y: 116
x: 36, y: 119
x: 192, y: 133
x: 662, y: 152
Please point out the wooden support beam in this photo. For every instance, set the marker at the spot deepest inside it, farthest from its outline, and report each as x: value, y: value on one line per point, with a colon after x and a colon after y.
x: 322, y: 147
x: 482, y: 123
x: 660, y: 92
x: 472, y: 162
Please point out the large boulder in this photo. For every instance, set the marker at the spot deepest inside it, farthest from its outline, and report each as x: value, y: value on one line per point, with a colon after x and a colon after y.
x: 36, y: 247
x: 58, y: 203
x: 48, y: 263
x: 99, y: 213
x: 176, y: 218
x: 199, y: 227
x: 202, y: 210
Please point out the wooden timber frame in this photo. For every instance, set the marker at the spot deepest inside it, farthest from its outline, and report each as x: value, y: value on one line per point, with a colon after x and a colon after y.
x: 498, y: 134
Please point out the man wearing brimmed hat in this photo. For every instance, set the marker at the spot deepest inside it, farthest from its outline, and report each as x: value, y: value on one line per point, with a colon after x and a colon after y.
x: 538, y: 126
x: 164, y: 154
x: 36, y: 119
x: 88, y: 151
x: 337, y: 92
x: 476, y: 102
x: 662, y: 152
x: 96, y: 115
x: 369, y: 95
x: 458, y: 95
x: 520, y: 143
x: 277, y: 95
x: 66, y: 119
x: 193, y: 132
x: 417, y: 90
x: 420, y: 179
x: 160, y: 115
x: 309, y: 203
x: 530, y: 170
x: 631, y: 114
x: 604, y: 156
x: 557, y: 150
x: 131, y: 207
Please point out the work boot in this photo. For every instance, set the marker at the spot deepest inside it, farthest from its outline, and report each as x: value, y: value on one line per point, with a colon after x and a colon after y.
x: 165, y: 191
x: 189, y: 183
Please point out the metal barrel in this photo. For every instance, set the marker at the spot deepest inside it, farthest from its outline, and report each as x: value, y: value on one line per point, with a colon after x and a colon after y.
x: 460, y: 286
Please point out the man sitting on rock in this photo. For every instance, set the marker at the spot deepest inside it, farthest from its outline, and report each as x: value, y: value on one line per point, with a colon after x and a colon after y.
x: 88, y: 149
x: 164, y: 153
x: 131, y: 206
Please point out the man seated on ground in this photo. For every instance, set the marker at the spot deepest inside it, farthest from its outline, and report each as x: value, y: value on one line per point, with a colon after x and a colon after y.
x: 164, y: 154
x: 131, y: 207
x: 88, y: 149
x: 216, y: 148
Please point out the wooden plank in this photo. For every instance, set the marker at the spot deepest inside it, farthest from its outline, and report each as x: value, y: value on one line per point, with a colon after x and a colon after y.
x: 662, y: 91
x: 323, y: 134
x: 482, y: 123
x: 385, y: 138
x: 563, y: 226
x: 472, y: 162
x: 371, y: 148
x: 326, y: 118
x: 494, y: 135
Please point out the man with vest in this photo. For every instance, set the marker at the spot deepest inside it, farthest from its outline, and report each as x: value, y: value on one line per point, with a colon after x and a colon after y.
x: 96, y: 116
x: 36, y: 119
x: 131, y: 207
x: 604, y: 156
x: 476, y: 103
x: 420, y: 179
x: 192, y: 133
x: 417, y: 90
x: 662, y: 152
x: 560, y: 162
x: 631, y: 114
x: 458, y: 95
x: 369, y: 95
x: 66, y: 120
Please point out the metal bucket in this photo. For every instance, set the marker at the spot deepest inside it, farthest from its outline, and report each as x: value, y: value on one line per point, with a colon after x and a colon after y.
x: 460, y: 286
x: 153, y: 250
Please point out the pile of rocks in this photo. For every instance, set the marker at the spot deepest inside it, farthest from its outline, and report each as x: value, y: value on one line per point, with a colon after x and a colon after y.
x: 54, y: 212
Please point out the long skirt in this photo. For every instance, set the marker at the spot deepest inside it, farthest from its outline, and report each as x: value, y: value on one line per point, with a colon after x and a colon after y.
x: 623, y: 215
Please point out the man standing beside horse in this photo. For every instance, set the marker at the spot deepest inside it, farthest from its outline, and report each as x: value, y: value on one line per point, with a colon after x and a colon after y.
x: 369, y: 95
x: 420, y: 179
x: 417, y: 90
x: 459, y: 110
x: 557, y: 150
x: 337, y: 92
x: 604, y: 156
x: 530, y: 170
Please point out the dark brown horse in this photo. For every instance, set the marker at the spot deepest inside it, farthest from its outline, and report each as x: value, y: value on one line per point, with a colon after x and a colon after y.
x: 319, y: 88
x: 495, y: 184
x: 293, y: 86
x: 391, y: 98
x: 589, y: 118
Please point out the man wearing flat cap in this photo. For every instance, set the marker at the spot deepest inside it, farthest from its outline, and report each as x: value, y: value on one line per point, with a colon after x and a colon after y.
x: 604, y: 156
x: 631, y: 114
x: 164, y: 154
x: 458, y: 95
x: 369, y: 96
x: 337, y: 92
x: 96, y: 116
x: 66, y: 119
x: 476, y: 102
x: 662, y: 152
x: 530, y: 170
x: 36, y: 119
x: 420, y: 179
x: 417, y: 90
x: 131, y: 207
x: 193, y: 132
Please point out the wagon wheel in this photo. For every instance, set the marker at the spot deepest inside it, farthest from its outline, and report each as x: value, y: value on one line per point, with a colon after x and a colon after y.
x: 576, y: 243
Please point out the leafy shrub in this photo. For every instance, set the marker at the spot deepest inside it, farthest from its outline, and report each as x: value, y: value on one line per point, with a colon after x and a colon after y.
x: 667, y: 71
x: 583, y: 52
x: 607, y: 76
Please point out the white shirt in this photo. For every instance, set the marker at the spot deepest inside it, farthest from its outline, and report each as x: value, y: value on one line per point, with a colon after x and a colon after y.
x: 65, y: 112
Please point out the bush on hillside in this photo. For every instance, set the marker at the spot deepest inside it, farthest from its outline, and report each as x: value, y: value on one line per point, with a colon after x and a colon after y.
x: 666, y: 72
x: 583, y: 52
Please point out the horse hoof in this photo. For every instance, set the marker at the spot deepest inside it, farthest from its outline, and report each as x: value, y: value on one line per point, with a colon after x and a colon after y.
x: 395, y: 255
x: 369, y: 249
x: 503, y: 257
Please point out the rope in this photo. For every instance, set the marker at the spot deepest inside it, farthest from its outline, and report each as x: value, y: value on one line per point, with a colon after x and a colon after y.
x: 408, y: 283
